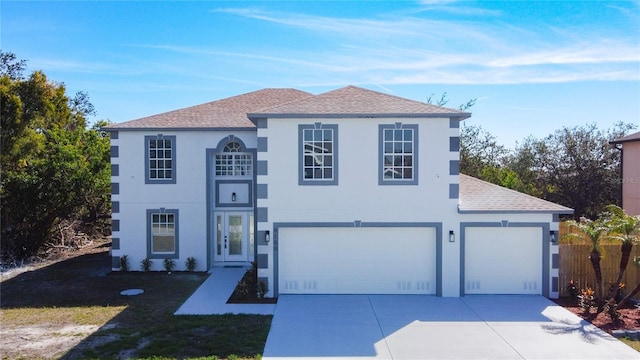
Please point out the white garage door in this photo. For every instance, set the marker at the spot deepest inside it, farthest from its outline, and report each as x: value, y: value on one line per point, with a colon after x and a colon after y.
x: 503, y: 260
x: 357, y: 261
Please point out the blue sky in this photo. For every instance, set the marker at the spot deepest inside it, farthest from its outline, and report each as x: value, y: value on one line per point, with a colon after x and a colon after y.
x: 534, y: 66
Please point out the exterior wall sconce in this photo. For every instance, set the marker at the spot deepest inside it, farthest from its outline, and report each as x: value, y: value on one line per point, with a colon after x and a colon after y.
x: 452, y: 236
x: 233, y: 197
x: 552, y: 237
x: 267, y: 236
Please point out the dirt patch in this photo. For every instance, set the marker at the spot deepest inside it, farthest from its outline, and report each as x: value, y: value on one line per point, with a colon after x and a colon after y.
x: 629, y: 316
x: 95, y: 246
x: 29, y: 338
x: 42, y: 341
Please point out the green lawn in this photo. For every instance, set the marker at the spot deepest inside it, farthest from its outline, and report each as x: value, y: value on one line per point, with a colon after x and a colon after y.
x: 82, y: 291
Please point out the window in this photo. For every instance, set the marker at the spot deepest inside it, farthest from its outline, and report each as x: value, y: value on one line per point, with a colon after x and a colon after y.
x: 318, y: 148
x: 234, y: 162
x: 162, y: 233
x: 398, y: 154
x: 160, y: 159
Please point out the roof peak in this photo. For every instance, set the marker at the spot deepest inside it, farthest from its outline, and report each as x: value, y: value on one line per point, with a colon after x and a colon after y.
x: 360, y: 102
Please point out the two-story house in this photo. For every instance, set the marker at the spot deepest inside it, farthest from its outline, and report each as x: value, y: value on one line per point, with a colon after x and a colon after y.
x: 629, y: 146
x: 346, y: 192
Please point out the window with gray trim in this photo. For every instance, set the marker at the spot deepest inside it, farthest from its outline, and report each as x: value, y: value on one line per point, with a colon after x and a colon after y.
x: 160, y: 159
x: 233, y: 161
x: 162, y: 233
x: 318, y: 149
x: 398, y: 154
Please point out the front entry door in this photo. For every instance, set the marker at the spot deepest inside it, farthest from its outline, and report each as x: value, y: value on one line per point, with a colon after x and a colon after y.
x: 233, y: 236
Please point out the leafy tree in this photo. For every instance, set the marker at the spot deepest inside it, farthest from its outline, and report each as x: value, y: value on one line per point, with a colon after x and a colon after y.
x: 624, y: 228
x: 575, y: 167
x: 10, y: 66
x: 53, y: 167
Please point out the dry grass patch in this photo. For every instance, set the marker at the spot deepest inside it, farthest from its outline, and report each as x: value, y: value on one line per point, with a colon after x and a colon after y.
x: 73, y: 309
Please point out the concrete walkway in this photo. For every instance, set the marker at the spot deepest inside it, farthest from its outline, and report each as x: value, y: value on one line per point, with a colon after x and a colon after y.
x: 427, y: 327
x: 211, y: 297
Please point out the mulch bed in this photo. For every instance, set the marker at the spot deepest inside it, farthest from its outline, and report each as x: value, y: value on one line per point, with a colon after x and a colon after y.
x: 246, y: 291
x: 629, y: 316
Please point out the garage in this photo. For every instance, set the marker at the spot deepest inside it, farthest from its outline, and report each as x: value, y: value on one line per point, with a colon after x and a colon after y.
x: 503, y: 260
x: 358, y: 260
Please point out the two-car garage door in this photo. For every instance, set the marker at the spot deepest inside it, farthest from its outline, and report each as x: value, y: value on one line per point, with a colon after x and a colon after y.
x: 399, y: 260
x: 503, y: 260
x: 364, y: 260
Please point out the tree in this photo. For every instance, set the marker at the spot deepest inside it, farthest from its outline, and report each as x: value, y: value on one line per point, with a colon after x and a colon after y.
x: 479, y: 151
x: 575, y: 167
x: 625, y: 229
x: 10, y: 66
x: 594, y: 231
x: 444, y: 101
x: 53, y: 168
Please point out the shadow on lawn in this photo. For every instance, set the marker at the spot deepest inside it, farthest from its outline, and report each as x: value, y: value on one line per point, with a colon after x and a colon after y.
x: 86, y: 281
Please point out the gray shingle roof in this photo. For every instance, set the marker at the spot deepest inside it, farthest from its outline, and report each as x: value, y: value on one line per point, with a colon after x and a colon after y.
x: 356, y: 101
x: 235, y: 112
x: 230, y: 112
x: 628, y: 138
x: 480, y: 196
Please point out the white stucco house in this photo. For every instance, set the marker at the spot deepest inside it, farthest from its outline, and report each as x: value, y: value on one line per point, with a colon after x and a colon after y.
x: 351, y: 191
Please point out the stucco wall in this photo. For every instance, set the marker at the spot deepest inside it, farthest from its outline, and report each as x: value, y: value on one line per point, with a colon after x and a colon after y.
x: 631, y: 178
x: 188, y: 195
x: 358, y: 195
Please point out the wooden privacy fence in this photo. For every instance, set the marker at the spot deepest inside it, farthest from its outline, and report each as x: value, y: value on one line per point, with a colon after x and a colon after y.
x: 575, y: 264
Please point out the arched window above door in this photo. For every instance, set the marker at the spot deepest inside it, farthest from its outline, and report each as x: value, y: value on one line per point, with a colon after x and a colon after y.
x: 232, y: 161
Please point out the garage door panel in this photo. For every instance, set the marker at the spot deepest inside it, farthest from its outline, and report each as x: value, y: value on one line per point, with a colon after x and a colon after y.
x: 357, y: 260
x: 503, y: 260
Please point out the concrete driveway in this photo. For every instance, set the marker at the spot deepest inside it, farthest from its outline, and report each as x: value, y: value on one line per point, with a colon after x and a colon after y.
x: 428, y: 327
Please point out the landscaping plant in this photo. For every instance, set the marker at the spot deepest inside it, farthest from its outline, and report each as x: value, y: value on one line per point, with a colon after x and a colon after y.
x: 169, y: 264
x: 190, y: 264
x: 594, y: 231
x: 145, y: 264
x: 625, y: 229
x: 124, y: 263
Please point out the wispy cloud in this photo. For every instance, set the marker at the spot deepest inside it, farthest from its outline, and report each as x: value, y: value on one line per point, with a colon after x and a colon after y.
x: 410, y: 49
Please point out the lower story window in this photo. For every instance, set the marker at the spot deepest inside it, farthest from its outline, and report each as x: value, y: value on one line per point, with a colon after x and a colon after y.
x: 162, y: 233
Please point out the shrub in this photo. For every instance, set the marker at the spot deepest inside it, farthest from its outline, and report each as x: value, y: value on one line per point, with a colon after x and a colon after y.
x: 611, y: 307
x: 124, y: 263
x: 169, y: 264
x: 587, y: 299
x: 145, y: 264
x: 573, y: 291
x: 190, y: 264
x: 262, y: 289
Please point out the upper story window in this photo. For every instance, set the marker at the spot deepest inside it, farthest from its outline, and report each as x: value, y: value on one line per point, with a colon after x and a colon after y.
x: 233, y: 161
x: 398, y: 154
x: 160, y: 159
x: 318, y: 149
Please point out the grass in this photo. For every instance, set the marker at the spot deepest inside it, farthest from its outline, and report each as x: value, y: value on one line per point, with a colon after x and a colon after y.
x: 633, y: 343
x: 82, y: 291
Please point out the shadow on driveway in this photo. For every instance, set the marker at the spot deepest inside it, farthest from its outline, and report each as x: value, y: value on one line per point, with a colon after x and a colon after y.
x: 429, y: 327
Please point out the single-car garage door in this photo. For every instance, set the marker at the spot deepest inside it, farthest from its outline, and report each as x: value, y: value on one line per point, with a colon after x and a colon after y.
x: 357, y: 260
x: 503, y: 260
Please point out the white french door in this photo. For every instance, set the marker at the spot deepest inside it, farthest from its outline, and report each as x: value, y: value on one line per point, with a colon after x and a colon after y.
x: 233, y: 236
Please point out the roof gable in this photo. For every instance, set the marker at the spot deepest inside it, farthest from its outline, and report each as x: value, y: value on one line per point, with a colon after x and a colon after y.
x: 359, y: 102
x: 478, y: 196
x: 230, y: 112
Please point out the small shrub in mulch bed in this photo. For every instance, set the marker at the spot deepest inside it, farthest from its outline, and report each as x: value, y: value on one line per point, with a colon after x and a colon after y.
x: 249, y: 291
